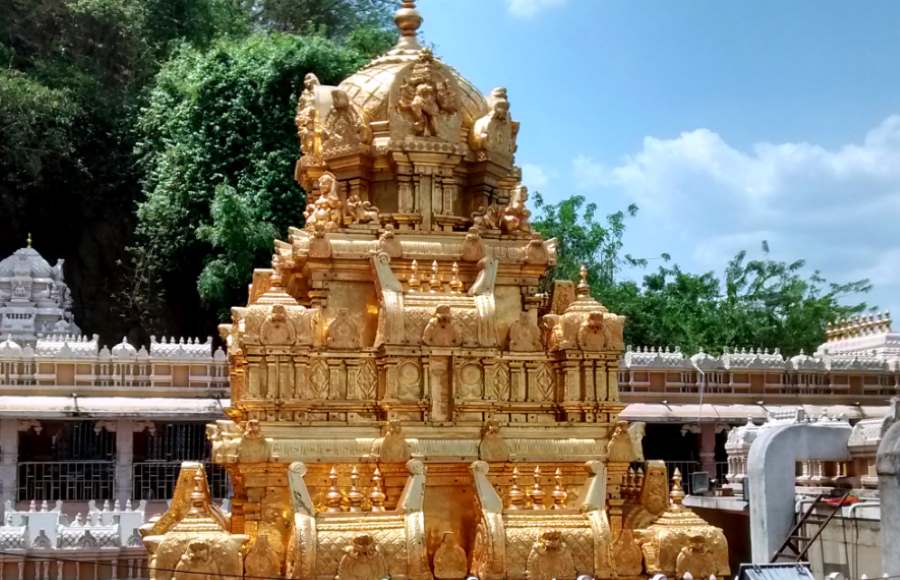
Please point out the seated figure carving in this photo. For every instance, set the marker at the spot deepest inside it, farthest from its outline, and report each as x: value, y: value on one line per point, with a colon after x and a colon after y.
x: 440, y: 330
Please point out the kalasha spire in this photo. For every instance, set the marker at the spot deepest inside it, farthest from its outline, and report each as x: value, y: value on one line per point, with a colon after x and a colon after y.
x: 408, y: 21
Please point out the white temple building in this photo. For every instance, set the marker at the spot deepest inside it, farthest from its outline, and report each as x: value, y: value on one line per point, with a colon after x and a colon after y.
x: 34, y: 298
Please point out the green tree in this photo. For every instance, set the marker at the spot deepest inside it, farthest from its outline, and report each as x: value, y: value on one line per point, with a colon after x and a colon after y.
x: 754, y: 303
x: 218, y: 145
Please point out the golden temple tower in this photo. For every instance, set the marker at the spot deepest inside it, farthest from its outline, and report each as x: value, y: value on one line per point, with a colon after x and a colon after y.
x: 404, y: 402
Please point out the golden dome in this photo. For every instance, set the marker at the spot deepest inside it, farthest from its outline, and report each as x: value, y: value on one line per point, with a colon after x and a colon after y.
x: 371, y: 88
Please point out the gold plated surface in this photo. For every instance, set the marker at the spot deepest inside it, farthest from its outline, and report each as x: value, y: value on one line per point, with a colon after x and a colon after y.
x: 404, y: 401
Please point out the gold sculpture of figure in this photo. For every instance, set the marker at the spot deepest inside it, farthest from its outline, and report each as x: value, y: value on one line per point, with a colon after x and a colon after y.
x: 424, y: 96
x: 550, y: 559
x: 492, y: 446
x: 524, y: 335
x: 327, y: 206
x: 357, y: 211
x: 307, y: 118
x: 590, y: 335
x: 495, y: 132
x: 514, y: 217
x: 362, y: 560
x: 440, y: 330
x: 421, y: 103
x: 696, y: 558
x: 253, y: 448
x: 620, y: 449
x: 344, y: 127
x: 197, y: 562
x: 450, y: 561
x: 486, y: 217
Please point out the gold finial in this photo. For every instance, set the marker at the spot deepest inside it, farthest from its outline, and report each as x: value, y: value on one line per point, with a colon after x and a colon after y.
x: 677, y: 494
x: 354, y: 496
x: 413, y: 280
x: 435, y: 281
x: 333, y: 496
x: 456, y: 284
x: 408, y: 21
x: 28, y: 239
x: 198, y: 498
x: 536, y: 493
x: 639, y: 481
x: 583, y: 289
x: 559, y: 493
x: 516, y: 495
x: 376, y: 496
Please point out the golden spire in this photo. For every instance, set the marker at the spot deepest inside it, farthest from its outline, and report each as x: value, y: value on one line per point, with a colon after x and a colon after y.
x: 28, y: 239
x: 408, y: 21
x: 376, y: 496
x: 583, y: 289
x: 677, y: 494
x: 516, y: 495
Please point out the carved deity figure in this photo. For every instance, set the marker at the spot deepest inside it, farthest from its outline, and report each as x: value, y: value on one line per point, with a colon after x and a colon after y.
x: 486, y: 217
x: 440, y: 330
x: 358, y: 211
x: 450, y: 559
x: 619, y: 449
x: 326, y: 210
x: 590, y: 334
x: 362, y: 560
x: 197, y: 562
x: 307, y: 118
x: 424, y: 96
x: 550, y: 559
x: 496, y: 131
x: 514, y: 217
x: 524, y: 335
x: 393, y: 446
x: 696, y: 558
x: 388, y: 242
x: 493, y: 446
x: 344, y: 127
x: 253, y: 448
x: 342, y: 332
x: 636, y: 432
x: 277, y: 329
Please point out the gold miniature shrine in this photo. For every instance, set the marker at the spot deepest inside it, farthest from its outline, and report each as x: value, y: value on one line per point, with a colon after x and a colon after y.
x: 405, y: 403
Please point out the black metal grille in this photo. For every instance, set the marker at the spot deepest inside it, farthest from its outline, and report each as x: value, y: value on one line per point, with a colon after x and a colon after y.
x: 66, y: 480
x: 156, y: 479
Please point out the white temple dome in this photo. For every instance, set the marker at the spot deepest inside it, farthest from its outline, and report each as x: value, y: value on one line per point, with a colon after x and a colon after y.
x: 34, y: 298
x: 10, y: 347
x: 25, y: 262
x: 123, y: 349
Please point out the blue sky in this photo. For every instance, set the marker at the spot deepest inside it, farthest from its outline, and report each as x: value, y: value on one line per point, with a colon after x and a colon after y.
x: 728, y: 123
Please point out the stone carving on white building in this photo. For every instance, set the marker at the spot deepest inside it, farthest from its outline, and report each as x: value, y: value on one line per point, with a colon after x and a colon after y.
x: 34, y: 298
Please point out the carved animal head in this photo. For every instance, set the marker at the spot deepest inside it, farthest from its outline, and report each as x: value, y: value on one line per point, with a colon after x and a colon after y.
x: 443, y: 315
x: 595, y: 321
x: 363, y: 546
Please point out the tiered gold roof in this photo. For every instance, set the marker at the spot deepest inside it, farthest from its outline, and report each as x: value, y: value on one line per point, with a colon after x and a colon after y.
x: 396, y: 362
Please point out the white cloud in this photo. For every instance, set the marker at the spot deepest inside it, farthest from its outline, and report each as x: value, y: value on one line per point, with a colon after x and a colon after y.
x: 838, y: 208
x: 529, y: 8
x: 535, y: 177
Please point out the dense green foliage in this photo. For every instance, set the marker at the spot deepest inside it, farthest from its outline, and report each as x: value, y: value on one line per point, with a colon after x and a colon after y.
x: 755, y: 302
x: 74, y: 77
x: 218, y: 146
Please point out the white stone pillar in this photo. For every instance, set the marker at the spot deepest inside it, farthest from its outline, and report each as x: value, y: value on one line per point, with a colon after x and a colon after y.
x: 124, y: 458
x: 9, y: 458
